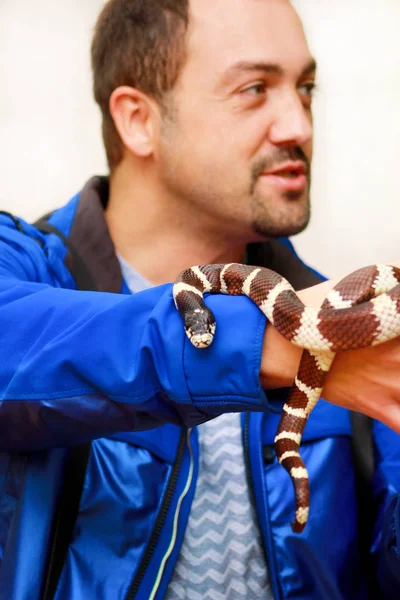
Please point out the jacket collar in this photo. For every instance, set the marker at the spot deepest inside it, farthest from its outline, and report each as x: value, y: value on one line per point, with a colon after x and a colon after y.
x: 89, y: 235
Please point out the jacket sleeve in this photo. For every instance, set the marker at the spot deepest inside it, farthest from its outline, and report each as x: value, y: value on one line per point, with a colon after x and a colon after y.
x: 77, y: 365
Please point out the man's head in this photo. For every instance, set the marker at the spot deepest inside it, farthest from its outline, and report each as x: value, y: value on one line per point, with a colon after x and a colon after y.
x: 216, y: 96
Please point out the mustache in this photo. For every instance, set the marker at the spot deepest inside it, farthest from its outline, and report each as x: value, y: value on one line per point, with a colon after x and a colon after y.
x: 267, y: 163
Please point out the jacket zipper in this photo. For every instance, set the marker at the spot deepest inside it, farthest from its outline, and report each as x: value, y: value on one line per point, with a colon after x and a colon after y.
x: 160, y: 518
x: 267, y: 539
x: 175, y: 522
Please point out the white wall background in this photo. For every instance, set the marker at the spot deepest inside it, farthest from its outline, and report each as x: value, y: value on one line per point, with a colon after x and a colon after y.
x: 50, y: 141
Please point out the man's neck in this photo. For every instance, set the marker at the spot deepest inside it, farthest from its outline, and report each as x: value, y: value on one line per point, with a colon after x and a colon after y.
x: 158, y: 238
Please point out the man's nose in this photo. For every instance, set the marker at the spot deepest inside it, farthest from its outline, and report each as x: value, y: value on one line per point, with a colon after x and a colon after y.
x: 292, y: 124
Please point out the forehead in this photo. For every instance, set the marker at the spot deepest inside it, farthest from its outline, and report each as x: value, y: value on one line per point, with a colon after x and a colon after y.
x: 222, y: 32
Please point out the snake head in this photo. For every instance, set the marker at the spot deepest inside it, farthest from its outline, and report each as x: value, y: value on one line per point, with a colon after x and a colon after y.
x: 200, y: 327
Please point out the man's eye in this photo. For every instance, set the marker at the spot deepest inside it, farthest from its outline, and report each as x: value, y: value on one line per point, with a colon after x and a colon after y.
x: 308, y: 89
x: 257, y: 89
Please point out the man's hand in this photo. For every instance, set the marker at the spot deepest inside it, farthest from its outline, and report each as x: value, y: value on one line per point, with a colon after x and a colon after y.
x: 366, y: 380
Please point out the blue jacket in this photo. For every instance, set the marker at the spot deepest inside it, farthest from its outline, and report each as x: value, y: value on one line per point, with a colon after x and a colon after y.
x: 117, y: 369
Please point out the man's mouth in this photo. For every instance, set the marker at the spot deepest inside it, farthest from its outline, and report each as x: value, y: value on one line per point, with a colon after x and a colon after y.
x: 290, y: 169
x: 287, y: 177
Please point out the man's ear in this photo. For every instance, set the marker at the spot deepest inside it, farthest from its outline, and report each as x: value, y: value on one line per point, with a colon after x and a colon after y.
x: 133, y: 113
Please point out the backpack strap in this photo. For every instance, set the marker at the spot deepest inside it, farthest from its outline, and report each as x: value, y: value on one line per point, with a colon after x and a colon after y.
x: 79, y: 271
x: 66, y: 515
x: 75, y: 471
x: 362, y: 447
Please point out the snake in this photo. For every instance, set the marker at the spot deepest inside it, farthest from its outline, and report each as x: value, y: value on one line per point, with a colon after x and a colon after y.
x: 362, y: 309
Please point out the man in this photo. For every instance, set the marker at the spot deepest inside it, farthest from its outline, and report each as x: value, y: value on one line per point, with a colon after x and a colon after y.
x: 207, y: 126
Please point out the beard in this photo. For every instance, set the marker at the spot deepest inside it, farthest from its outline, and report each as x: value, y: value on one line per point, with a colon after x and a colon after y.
x: 270, y: 222
x: 288, y: 214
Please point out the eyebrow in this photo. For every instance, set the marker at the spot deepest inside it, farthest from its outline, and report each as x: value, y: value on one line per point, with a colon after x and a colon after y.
x: 268, y: 68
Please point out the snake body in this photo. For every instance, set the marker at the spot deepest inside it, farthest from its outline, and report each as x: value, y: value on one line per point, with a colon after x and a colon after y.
x: 362, y: 310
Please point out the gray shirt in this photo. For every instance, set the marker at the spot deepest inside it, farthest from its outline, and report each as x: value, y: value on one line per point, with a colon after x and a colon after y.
x: 221, y: 556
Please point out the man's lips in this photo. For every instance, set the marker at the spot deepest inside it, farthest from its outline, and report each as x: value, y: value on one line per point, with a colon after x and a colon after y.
x: 289, y: 177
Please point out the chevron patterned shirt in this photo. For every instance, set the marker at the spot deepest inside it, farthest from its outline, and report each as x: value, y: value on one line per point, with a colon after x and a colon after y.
x: 221, y: 556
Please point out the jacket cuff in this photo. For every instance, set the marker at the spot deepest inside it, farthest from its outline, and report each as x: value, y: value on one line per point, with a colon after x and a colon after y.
x: 232, y: 363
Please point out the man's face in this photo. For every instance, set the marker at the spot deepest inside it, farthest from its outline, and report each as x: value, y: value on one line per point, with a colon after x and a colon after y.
x: 236, y: 143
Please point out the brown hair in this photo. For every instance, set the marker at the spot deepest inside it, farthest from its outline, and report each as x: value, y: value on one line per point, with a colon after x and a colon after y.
x: 141, y: 44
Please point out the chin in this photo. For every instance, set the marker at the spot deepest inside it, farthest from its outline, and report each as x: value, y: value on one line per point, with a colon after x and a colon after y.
x: 267, y: 228
x: 283, y: 223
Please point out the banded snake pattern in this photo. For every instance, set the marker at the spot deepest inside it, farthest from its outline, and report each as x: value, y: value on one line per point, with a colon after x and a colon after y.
x: 362, y: 310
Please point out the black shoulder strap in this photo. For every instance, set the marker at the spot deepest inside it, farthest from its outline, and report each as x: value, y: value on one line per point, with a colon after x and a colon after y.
x: 74, y: 476
x: 362, y: 446
x: 66, y: 515
x: 79, y: 271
